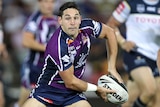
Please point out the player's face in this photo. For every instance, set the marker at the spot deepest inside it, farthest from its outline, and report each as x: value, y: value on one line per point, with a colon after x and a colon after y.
x: 70, y: 21
x: 46, y: 7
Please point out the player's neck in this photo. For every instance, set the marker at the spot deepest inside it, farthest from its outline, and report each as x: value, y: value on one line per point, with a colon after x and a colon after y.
x: 74, y: 36
x: 47, y: 15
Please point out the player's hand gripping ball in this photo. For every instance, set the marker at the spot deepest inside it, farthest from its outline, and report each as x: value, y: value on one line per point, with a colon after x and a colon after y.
x: 121, y: 94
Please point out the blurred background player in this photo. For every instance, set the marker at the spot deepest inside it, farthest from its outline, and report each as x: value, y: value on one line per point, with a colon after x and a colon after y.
x: 140, y: 46
x: 37, y: 31
x: 3, y: 55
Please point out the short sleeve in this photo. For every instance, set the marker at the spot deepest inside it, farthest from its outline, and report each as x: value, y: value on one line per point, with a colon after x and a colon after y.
x: 30, y: 27
x: 122, y: 12
x: 97, y: 28
x: 92, y: 27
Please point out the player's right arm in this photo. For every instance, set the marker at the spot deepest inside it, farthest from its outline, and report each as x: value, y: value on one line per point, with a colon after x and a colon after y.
x: 77, y: 84
x: 29, y: 41
x: 118, y: 17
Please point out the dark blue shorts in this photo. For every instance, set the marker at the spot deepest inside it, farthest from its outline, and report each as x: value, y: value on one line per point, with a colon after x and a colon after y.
x: 53, y: 97
x: 29, y: 75
x: 134, y: 60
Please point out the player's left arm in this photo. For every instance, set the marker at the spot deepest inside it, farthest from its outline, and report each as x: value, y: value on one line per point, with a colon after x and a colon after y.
x: 112, y: 49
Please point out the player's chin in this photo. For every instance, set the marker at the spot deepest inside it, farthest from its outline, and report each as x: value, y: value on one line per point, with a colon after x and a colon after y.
x: 72, y: 34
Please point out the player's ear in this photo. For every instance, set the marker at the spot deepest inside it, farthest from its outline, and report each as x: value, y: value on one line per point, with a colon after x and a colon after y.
x: 60, y: 20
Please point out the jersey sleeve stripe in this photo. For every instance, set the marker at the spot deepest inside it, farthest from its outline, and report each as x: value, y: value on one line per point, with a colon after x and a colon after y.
x: 59, y: 51
x: 120, y: 8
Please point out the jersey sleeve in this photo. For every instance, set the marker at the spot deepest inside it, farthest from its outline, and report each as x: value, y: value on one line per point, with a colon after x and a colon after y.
x: 122, y: 12
x: 31, y: 26
x: 94, y: 27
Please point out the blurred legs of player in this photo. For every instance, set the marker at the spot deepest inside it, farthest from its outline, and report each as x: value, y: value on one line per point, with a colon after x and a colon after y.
x: 32, y: 102
x: 133, y: 92
x: 145, y: 86
x: 144, y: 78
x: 82, y: 103
x: 156, y: 100
x: 2, y: 99
x: 24, y: 94
x: 28, y: 81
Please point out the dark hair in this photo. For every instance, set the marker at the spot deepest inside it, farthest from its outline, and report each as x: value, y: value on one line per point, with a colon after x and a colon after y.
x: 66, y: 6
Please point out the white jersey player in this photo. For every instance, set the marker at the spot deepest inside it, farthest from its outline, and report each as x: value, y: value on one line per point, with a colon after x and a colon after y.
x: 140, y: 45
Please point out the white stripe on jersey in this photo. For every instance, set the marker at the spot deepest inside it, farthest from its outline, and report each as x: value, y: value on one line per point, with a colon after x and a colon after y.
x: 53, y: 78
x: 83, y: 70
x: 43, y: 33
x: 59, y: 51
x: 88, y: 27
x: 36, y: 58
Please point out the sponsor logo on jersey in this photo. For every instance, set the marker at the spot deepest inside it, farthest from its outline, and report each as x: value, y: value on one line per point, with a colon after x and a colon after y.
x: 152, y: 20
x: 82, y: 96
x: 139, y: 60
x: 66, y: 60
x: 140, y: 8
x: 151, y: 9
x: 82, y: 60
x: 69, y: 41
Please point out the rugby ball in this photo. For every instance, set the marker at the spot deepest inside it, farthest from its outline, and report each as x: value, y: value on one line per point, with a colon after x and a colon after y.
x: 110, y: 82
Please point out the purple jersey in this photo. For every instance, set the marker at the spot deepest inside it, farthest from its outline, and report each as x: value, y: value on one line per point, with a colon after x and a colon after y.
x: 62, y: 52
x: 42, y: 28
